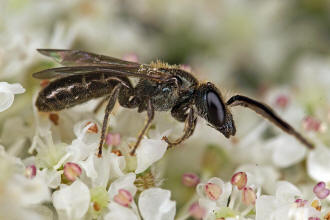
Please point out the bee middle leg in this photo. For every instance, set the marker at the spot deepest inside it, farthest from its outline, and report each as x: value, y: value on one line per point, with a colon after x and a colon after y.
x: 190, y: 120
x: 150, y: 114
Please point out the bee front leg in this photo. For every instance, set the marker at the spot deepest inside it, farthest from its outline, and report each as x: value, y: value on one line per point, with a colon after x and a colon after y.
x: 189, y: 127
x: 112, y: 101
x: 151, y: 114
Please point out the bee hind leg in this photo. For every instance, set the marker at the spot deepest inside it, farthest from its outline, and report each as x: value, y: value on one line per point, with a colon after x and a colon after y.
x: 111, y: 103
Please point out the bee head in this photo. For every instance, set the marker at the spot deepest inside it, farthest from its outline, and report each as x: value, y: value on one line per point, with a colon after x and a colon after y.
x: 212, y: 108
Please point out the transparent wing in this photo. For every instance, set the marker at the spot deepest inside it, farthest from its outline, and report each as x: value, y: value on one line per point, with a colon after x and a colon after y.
x: 114, y: 69
x: 82, y: 58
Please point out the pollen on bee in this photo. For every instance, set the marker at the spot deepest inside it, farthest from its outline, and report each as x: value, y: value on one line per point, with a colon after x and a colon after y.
x: 159, y: 64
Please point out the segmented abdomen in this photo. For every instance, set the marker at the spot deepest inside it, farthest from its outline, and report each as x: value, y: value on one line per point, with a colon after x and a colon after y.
x: 69, y: 91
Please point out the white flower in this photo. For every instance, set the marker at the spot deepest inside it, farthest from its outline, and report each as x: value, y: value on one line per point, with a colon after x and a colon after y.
x: 7, y: 92
x: 215, y: 196
x: 122, y: 207
x: 261, y: 175
x: 120, y: 212
x: 284, y: 205
x: 125, y: 182
x: 49, y: 154
x: 318, y: 164
x: 20, y: 196
x: 101, y: 170
x: 148, y: 153
x: 286, y: 150
x: 72, y: 202
x: 155, y: 204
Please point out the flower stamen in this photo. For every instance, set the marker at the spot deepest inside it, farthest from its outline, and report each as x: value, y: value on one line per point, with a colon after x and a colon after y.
x: 239, y: 179
x: 213, y: 191
x: 30, y: 171
x: 190, y: 179
x: 123, y: 197
x: 72, y: 171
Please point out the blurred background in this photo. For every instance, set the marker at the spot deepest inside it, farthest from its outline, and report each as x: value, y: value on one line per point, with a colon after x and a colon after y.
x: 248, y: 47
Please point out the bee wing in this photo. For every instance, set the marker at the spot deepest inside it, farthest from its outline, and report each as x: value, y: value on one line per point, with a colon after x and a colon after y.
x: 114, y: 69
x: 82, y: 58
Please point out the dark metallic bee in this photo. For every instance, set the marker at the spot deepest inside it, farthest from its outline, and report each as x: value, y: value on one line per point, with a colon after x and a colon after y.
x: 161, y: 87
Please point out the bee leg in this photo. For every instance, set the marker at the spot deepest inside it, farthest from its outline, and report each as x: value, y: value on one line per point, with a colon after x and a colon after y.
x: 189, y: 126
x: 112, y: 101
x: 151, y: 114
x: 126, y: 86
x: 269, y: 114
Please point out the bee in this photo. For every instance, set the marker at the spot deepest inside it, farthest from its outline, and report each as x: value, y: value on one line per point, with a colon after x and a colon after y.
x: 160, y: 87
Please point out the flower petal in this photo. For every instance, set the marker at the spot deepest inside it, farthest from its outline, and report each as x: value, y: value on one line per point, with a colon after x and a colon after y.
x: 287, y: 151
x: 148, y: 153
x: 265, y: 205
x: 155, y: 204
x: 7, y: 92
x: 72, y: 202
x: 318, y: 164
x: 125, y: 182
x: 119, y: 212
x: 287, y: 192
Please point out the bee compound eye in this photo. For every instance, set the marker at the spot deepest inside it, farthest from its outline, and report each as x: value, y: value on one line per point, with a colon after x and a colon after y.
x: 215, y: 109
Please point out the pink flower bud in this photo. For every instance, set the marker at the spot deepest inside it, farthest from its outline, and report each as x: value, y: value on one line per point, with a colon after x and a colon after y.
x: 248, y: 196
x: 312, y: 124
x: 282, y: 101
x: 123, y: 197
x: 213, y: 191
x: 112, y: 139
x: 72, y: 171
x: 239, y: 179
x: 30, y: 171
x: 190, y: 179
x: 196, y: 211
x: 321, y: 191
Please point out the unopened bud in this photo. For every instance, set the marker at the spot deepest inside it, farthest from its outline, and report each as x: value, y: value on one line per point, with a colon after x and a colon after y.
x: 282, y: 101
x: 196, y: 211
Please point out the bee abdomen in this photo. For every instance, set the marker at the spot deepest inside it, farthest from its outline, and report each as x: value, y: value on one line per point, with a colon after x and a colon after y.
x: 73, y: 90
